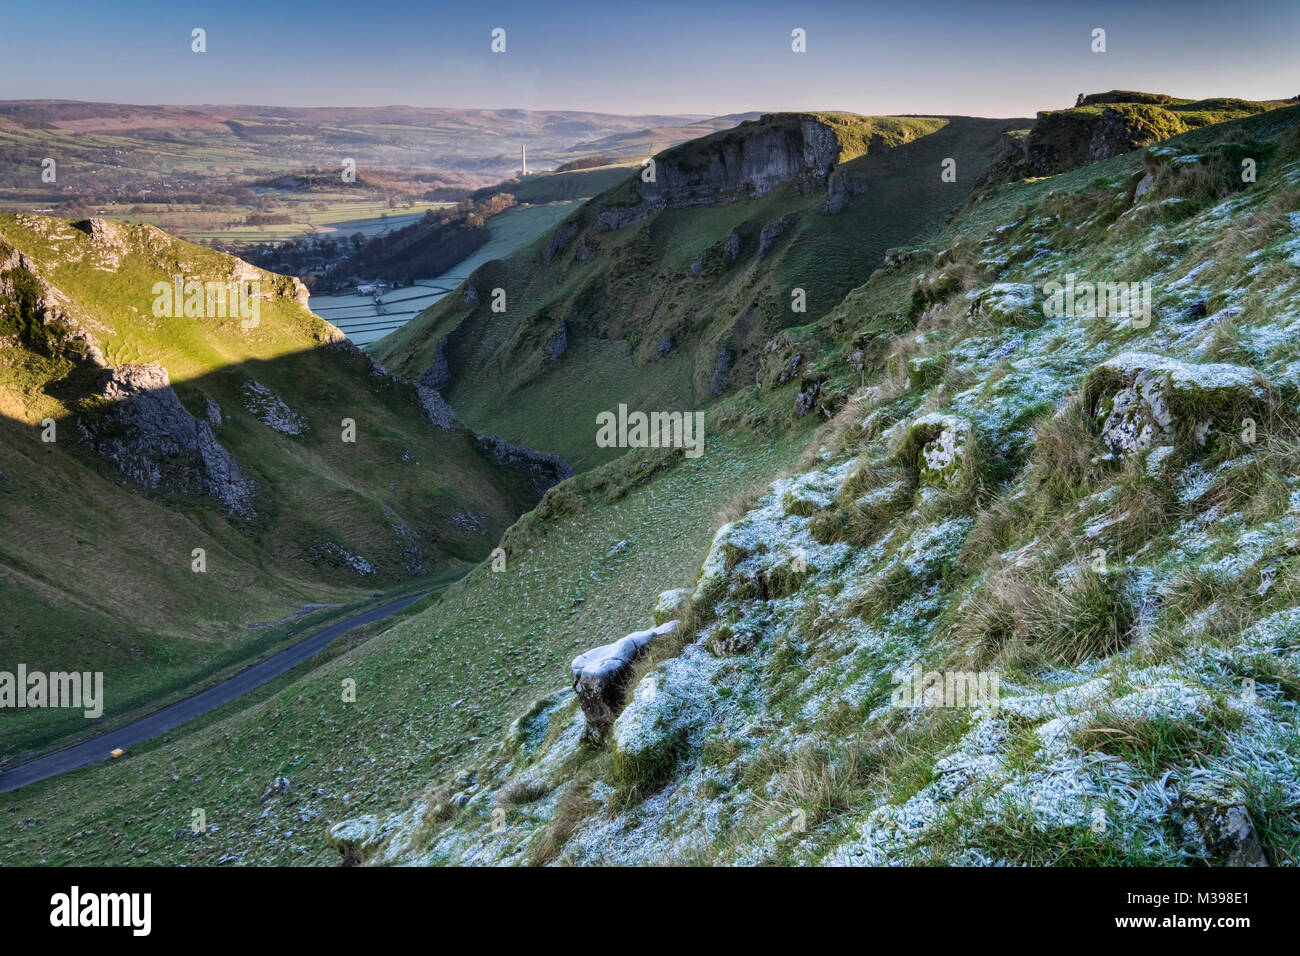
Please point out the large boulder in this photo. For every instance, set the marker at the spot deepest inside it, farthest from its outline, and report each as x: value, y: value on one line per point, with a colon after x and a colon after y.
x: 1139, y: 401
x: 601, y: 676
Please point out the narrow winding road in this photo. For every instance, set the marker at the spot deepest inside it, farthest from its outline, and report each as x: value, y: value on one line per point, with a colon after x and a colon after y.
x: 100, y: 747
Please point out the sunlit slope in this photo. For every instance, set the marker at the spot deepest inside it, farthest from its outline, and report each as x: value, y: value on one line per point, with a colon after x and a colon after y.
x: 662, y: 295
x: 243, y: 456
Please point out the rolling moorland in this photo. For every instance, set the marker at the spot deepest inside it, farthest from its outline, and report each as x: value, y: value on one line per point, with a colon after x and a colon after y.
x: 238, y: 174
x: 922, y: 471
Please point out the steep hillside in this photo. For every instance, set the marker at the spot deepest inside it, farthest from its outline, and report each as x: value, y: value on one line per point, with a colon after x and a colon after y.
x: 1035, y: 603
x: 134, y: 434
x: 947, y: 515
x: 430, y: 690
x: 663, y: 294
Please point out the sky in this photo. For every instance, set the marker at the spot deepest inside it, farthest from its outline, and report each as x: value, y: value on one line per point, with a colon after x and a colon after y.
x: 658, y: 56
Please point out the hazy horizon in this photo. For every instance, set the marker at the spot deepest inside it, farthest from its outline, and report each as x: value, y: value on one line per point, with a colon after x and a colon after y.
x: 677, y: 60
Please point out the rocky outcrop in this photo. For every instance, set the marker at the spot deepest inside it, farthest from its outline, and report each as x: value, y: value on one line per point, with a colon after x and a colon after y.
x: 1061, y: 140
x: 270, y: 410
x: 435, y: 406
x: 1006, y: 303
x: 560, y: 239
x: 438, y: 374
x: 542, y: 469
x: 54, y: 321
x: 1139, y: 401
x: 557, y: 343
x: 150, y: 437
x: 722, y: 364
x: 602, y: 674
x: 749, y: 161
x: 938, y: 448
x: 840, y: 188
x: 771, y: 232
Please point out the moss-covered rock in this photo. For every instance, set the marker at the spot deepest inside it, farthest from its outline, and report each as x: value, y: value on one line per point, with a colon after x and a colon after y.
x: 651, y: 734
x: 1007, y: 303
x: 671, y: 605
x: 939, y: 447
x: 1139, y: 400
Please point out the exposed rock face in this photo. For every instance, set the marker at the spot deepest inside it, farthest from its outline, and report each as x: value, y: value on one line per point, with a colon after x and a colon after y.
x: 50, y: 306
x: 151, y: 438
x: 1140, y: 400
x: 722, y: 364
x: 560, y: 239
x: 601, y: 676
x: 270, y: 410
x: 541, y: 468
x: 435, y: 406
x: 806, y: 400
x: 840, y: 189
x: 438, y: 374
x: 770, y: 233
x: 558, y: 343
x: 1061, y: 140
x: 903, y: 256
x: 1119, y: 131
x: 746, y: 162
x: 732, y: 246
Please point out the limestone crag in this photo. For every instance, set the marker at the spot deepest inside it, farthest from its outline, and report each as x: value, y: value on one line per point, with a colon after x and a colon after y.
x: 150, y: 437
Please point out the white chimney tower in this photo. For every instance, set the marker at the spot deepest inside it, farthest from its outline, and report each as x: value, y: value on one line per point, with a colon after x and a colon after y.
x: 523, y: 158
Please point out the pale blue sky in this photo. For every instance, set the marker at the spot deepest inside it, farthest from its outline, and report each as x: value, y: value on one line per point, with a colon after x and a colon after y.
x: 981, y: 58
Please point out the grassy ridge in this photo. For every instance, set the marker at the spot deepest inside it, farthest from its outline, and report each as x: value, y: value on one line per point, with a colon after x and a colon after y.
x: 658, y: 315
x: 104, y: 570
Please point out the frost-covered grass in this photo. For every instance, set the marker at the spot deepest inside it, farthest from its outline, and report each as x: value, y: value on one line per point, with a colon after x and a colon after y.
x: 1138, y: 608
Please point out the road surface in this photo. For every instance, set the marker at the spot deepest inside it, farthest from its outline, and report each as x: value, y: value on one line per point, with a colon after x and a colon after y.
x: 98, y: 748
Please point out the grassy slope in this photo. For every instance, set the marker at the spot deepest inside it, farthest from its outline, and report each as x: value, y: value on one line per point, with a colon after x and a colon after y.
x: 1146, y: 660
x: 429, y: 690
x: 614, y: 328
x: 103, y: 570
x: 668, y: 524
x: 409, y: 751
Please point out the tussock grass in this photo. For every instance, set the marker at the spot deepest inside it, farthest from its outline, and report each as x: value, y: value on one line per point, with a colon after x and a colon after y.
x: 1022, y: 617
x: 1066, y: 452
x: 1158, y: 743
